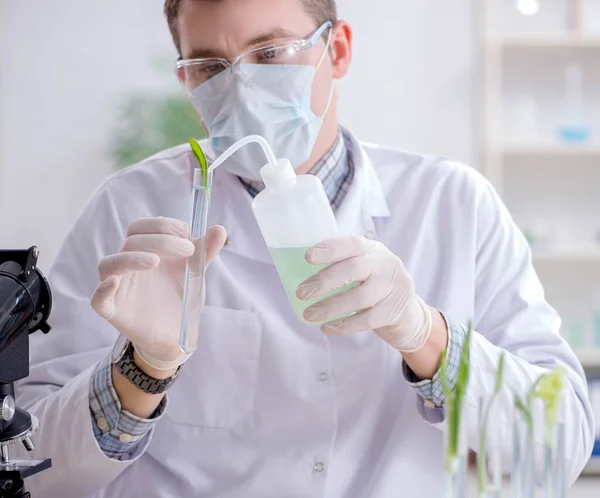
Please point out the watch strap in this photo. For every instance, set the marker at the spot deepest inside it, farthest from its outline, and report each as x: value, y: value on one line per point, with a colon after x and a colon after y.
x: 127, y: 367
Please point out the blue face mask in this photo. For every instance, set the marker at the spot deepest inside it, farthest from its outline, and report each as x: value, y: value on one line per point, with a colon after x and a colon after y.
x: 273, y: 101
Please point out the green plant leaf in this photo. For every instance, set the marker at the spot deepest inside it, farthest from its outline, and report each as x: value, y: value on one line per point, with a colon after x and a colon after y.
x: 526, y: 412
x: 483, y: 429
x: 499, y: 374
x: 548, y: 388
x: 444, y: 375
x: 463, y: 369
x: 201, y: 158
x: 454, y: 398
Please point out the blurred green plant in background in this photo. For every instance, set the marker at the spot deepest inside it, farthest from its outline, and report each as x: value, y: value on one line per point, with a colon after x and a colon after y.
x: 148, y: 124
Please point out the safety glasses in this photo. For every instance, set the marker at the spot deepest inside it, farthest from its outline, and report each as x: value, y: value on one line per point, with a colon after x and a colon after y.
x: 195, y: 72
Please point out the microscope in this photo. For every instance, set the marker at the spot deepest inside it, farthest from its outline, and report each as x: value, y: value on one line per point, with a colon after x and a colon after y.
x: 25, y: 304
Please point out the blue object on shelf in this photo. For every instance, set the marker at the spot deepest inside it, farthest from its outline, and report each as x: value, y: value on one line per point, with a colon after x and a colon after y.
x: 574, y: 128
x: 573, y: 135
x: 596, y: 450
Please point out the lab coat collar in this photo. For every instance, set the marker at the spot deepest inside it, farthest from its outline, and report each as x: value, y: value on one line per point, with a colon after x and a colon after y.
x: 232, y: 205
x: 365, y: 198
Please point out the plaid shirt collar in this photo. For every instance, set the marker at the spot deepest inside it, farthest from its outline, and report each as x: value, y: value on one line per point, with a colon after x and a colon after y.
x: 334, y: 169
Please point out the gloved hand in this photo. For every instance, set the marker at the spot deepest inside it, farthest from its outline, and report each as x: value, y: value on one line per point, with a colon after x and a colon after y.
x: 385, y: 301
x: 141, y: 287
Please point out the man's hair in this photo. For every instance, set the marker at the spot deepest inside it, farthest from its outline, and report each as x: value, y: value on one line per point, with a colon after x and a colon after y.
x: 320, y: 10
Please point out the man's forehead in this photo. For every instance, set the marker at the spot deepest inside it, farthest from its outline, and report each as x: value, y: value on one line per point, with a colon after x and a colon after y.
x: 209, y: 28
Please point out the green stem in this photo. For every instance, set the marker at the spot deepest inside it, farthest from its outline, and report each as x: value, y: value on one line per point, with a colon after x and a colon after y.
x: 481, y: 458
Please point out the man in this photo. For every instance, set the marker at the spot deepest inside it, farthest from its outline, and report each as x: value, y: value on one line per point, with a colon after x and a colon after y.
x: 267, y: 405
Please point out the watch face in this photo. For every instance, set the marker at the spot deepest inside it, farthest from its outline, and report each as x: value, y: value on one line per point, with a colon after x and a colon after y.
x: 119, y: 348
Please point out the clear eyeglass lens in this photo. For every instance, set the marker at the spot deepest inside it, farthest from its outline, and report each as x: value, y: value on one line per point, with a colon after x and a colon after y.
x: 197, y: 73
x: 276, y: 54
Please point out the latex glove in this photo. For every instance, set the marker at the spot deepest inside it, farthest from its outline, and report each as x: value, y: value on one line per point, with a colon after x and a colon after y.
x: 141, y: 287
x: 385, y: 301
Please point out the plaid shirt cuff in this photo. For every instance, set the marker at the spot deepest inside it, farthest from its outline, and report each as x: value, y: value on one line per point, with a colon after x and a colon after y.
x: 431, y: 390
x: 120, y: 434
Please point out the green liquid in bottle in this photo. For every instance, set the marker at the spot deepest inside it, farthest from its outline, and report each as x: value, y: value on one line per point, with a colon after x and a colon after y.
x: 293, y: 269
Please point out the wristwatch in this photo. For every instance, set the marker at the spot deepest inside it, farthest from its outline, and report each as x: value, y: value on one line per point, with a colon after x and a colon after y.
x: 122, y: 360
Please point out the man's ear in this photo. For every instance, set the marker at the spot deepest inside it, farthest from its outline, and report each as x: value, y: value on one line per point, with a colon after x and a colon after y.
x: 341, y: 48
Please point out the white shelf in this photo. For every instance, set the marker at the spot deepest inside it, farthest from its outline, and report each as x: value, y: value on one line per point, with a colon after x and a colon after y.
x: 588, y: 254
x: 557, y: 42
x: 588, y: 357
x: 556, y: 150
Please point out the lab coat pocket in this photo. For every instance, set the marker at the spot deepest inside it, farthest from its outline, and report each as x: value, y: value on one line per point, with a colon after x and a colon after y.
x: 217, y: 386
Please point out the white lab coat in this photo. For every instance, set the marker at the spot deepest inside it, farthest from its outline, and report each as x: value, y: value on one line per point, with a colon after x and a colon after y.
x: 266, y: 398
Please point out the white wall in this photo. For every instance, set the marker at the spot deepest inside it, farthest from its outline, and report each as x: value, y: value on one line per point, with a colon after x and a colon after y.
x: 64, y: 67
x: 65, y: 64
x: 413, y: 81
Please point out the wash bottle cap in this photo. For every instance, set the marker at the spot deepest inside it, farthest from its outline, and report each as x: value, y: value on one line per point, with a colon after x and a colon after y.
x: 278, y: 175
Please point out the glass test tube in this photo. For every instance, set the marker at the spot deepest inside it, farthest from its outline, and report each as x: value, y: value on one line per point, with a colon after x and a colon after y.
x: 489, y: 457
x: 455, y: 454
x: 523, y: 469
x: 553, y: 483
x: 193, y: 290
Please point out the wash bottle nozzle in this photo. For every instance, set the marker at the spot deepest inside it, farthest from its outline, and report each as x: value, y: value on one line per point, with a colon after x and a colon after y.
x: 272, y: 160
x: 276, y: 173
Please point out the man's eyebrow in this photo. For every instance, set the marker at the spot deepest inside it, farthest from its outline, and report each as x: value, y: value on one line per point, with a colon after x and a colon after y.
x: 272, y: 35
x: 203, y: 53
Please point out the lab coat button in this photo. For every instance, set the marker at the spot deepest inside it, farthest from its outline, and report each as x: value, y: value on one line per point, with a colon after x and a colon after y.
x: 126, y: 438
x: 228, y: 241
x: 102, y: 424
x: 323, y: 377
x: 429, y: 404
x: 319, y: 467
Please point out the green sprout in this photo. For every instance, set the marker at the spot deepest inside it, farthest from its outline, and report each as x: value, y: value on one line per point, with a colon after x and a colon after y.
x: 481, y: 460
x: 202, y: 161
x: 548, y: 387
x: 526, y: 412
x: 454, y: 399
